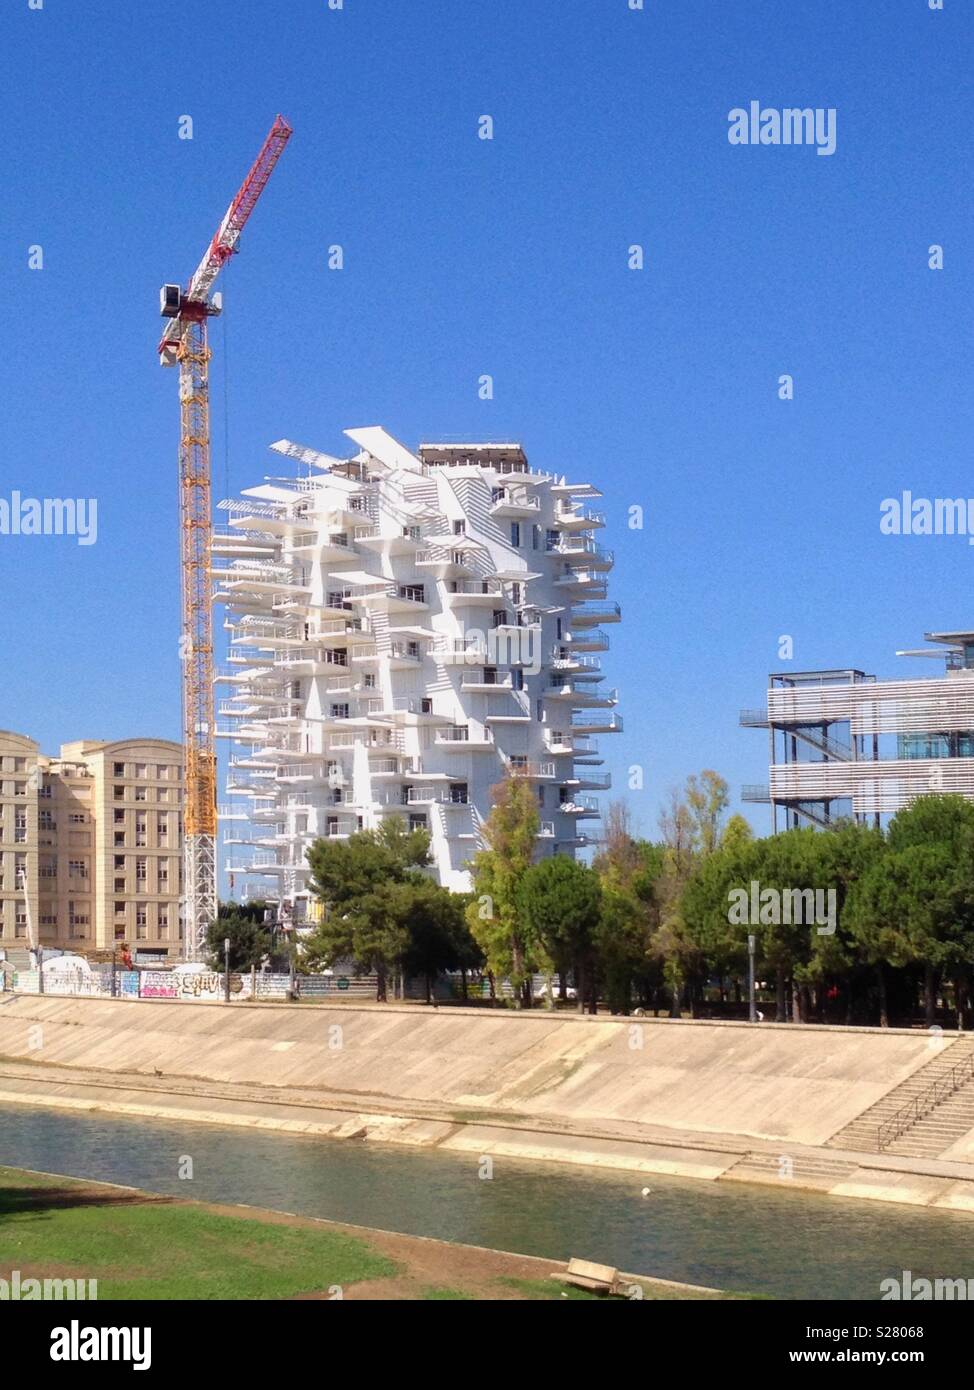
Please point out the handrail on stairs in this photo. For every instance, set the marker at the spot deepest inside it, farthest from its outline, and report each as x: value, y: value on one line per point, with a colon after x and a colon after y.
x: 920, y: 1106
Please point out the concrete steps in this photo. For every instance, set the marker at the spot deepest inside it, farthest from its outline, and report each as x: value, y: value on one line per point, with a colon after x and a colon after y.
x: 939, y: 1130
x: 936, y: 1131
x: 811, y: 1170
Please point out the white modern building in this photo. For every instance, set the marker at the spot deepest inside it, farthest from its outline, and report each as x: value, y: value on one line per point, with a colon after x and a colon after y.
x: 844, y: 744
x: 405, y: 630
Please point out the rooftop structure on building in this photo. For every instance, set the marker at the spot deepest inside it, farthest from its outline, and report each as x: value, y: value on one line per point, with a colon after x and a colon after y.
x: 406, y: 629
x: 844, y: 744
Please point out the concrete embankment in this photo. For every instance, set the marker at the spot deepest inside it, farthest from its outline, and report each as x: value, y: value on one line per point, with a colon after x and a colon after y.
x: 704, y: 1100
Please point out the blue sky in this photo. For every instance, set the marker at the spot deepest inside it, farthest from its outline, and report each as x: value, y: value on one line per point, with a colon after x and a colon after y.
x: 506, y: 257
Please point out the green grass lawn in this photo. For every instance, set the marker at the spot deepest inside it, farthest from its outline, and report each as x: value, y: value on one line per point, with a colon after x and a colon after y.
x: 140, y: 1249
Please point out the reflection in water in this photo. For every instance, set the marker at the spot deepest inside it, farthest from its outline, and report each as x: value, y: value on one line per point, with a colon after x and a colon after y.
x: 730, y: 1236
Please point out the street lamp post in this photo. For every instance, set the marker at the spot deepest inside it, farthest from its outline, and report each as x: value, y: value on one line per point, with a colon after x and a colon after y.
x: 226, y: 970
x: 752, y: 1012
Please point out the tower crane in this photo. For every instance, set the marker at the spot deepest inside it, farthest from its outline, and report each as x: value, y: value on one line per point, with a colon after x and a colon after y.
x: 184, y: 344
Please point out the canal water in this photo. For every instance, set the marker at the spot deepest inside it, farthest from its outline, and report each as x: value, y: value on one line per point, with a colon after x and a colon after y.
x: 762, y: 1240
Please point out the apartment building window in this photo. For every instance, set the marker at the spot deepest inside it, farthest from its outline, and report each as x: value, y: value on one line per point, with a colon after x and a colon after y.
x: 45, y: 791
x: 541, y: 791
x: 141, y: 769
x: 141, y: 830
x: 77, y: 868
x: 490, y: 675
x: 459, y: 528
x: 141, y: 794
x: 539, y: 711
x: 415, y: 592
x: 515, y: 533
x: 141, y: 923
x: 163, y: 868
x: 118, y: 817
x: 78, y: 917
x: 369, y: 682
x: 20, y: 924
x: 120, y: 885
x: 163, y: 924
x: 141, y: 873
x: 551, y: 539
x: 48, y: 868
x: 49, y: 920
x: 162, y: 829
x: 77, y: 818
x: 338, y: 598
x: 119, y: 861
x: 340, y: 711
x: 458, y: 793
x: 119, y: 839
x: 20, y: 830
x: 119, y: 770
x: 426, y: 706
x: 535, y: 537
x: 162, y: 772
x: 119, y: 793
x: 417, y: 822
x: 518, y: 675
x: 20, y: 789
x: 498, y: 617
x: 20, y: 764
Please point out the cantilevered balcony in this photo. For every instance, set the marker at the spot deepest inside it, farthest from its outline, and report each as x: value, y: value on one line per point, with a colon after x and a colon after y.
x: 343, y: 632
x: 533, y: 771
x: 406, y: 540
x: 487, y: 682
x: 404, y: 656
x: 580, y: 806
x: 590, y: 615
x: 586, y: 640
x: 236, y: 544
x: 444, y: 562
x: 460, y: 738
x: 385, y: 597
x: 582, y: 550
x: 414, y: 710
x: 315, y: 661
x: 582, y: 585
x: 331, y: 547
x: 597, y: 723
x: 514, y: 504
x: 571, y: 518
x: 466, y: 593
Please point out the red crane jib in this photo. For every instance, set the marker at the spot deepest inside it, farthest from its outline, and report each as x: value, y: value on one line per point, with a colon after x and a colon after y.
x: 221, y: 248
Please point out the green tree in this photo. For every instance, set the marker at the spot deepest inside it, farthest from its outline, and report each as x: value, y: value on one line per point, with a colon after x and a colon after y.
x: 943, y: 824
x: 357, y: 880
x: 560, y: 904
x: 706, y: 799
x: 439, y: 938
x: 495, y: 918
x: 249, y: 940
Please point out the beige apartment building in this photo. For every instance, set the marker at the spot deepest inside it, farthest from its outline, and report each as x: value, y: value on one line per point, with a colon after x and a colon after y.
x: 91, y: 845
